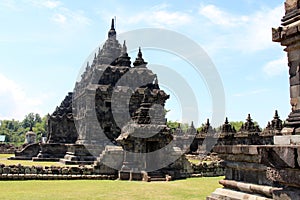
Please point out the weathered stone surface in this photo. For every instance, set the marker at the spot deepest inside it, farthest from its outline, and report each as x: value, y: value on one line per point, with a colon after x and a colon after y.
x: 298, y: 154
x: 295, y: 139
x: 295, y: 90
x: 279, y: 156
x: 282, y: 140
x: 27, y: 153
x: 286, y: 194
x: 287, y: 131
x: 61, y: 127
x: 249, y: 188
x: 287, y: 176
x: 227, y: 194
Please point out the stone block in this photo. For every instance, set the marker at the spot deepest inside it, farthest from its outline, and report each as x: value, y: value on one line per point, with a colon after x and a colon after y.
x: 236, y: 149
x: 287, y: 131
x: 283, y: 156
x: 290, y: 5
x: 282, y: 139
x: 295, y: 90
x: 292, y: 30
x: 295, y: 139
x: 298, y: 154
x: 294, y: 80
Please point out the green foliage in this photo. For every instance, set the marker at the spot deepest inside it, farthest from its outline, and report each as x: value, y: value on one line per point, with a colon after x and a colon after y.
x: 31, y: 119
x: 237, y: 124
x: 173, y: 125
x: 15, y: 130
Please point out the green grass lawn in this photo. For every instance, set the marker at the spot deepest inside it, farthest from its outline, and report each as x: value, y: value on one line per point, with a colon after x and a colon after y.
x: 3, y: 160
x: 193, y: 188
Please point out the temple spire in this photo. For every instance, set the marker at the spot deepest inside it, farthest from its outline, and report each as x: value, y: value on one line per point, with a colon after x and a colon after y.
x: 112, y: 32
x: 124, y: 49
x: 226, y: 120
x: 139, y: 61
x: 112, y: 24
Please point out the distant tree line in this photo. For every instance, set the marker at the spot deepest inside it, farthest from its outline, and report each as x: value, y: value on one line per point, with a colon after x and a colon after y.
x: 15, y: 130
x: 184, y: 126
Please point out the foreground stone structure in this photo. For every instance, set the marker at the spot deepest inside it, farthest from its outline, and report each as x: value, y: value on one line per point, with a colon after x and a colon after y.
x: 270, y: 171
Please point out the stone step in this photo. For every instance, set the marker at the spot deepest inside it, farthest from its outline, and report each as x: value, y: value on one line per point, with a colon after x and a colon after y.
x: 158, y: 179
x: 221, y: 193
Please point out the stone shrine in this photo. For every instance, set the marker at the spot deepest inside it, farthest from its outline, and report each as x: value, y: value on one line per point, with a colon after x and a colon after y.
x: 30, y: 137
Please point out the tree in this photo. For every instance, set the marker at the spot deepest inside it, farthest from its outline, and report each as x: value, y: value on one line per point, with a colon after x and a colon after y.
x: 173, y: 125
x: 40, y: 128
x: 237, y: 124
x: 31, y: 119
x: 15, y: 130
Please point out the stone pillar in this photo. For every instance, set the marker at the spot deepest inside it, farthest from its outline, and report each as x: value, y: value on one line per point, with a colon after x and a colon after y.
x: 289, y: 36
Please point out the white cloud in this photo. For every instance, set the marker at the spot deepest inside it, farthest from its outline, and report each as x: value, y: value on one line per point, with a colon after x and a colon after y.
x: 156, y: 16
x: 68, y: 17
x: 9, y: 4
x: 48, y: 4
x: 51, y: 4
x: 61, y: 14
x: 249, y: 33
x: 15, y: 102
x: 276, y: 67
x: 250, y: 93
x: 220, y: 17
x: 59, y: 18
x: 160, y: 18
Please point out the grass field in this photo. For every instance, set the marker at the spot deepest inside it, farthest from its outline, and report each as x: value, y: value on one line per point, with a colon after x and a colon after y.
x: 3, y: 160
x: 193, y: 188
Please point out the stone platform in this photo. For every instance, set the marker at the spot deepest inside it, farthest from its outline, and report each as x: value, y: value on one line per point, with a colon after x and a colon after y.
x: 51, y: 152
x: 77, y: 154
x: 259, y: 172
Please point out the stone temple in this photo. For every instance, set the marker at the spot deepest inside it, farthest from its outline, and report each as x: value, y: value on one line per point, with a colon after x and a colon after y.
x: 114, y: 118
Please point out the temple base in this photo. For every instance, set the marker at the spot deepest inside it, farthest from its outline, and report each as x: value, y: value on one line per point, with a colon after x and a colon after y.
x: 51, y: 152
x: 79, y: 154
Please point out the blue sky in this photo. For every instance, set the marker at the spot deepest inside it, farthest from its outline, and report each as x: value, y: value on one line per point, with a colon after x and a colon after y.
x: 43, y: 45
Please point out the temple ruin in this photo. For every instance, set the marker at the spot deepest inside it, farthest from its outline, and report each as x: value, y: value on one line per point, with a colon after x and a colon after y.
x: 270, y: 171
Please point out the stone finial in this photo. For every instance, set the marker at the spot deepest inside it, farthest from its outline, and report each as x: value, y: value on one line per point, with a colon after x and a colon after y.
x: 30, y: 129
x: 249, y: 118
x: 124, y: 49
x: 112, y: 24
x: 226, y: 120
x: 112, y: 32
x: 276, y: 116
x: 140, y: 55
x: 139, y: 61
x: 207, y: 122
